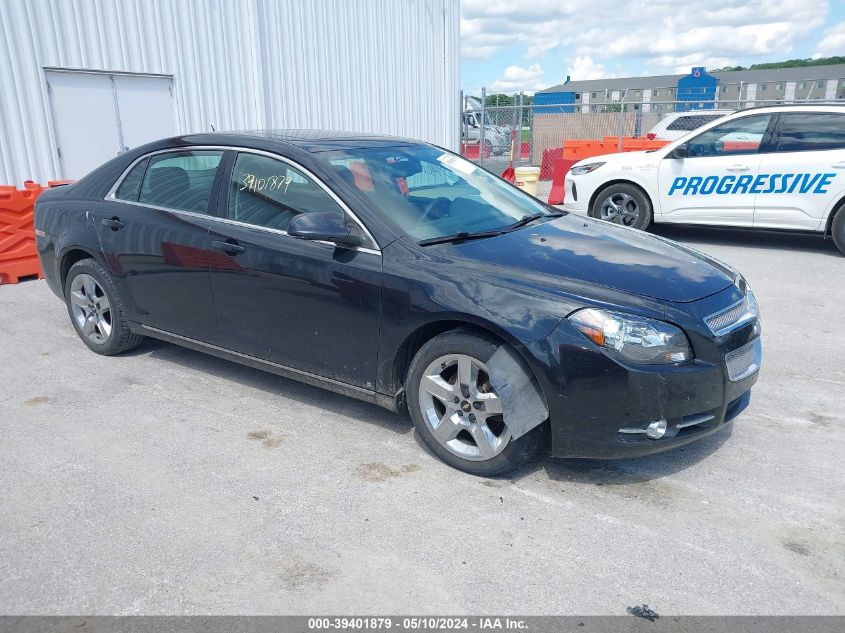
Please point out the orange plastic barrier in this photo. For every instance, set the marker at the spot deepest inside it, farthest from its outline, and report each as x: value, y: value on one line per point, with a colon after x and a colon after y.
x: 18, y: 256
x: 559, y: 171
x: 578, y: 149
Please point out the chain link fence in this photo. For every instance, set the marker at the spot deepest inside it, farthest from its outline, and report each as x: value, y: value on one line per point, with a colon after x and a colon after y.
x: 539, y: 131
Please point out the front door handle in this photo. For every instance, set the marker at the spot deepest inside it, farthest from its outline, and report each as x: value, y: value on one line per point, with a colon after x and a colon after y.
x: 113, y: 223
x: 738, y: 168
x: 230, y: 248
x: 840, y: 165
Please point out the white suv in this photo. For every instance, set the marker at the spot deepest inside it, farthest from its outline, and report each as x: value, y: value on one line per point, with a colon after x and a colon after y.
x: 677, y: 124
x: 777, y: 167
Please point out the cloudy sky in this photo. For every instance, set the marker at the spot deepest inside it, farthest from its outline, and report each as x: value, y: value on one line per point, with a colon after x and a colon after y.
x: 508, y: 45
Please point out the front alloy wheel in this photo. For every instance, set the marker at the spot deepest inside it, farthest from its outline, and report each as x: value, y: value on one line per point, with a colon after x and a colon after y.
x: 461, y: 409
x: 623, y: 203
x: 621, y: 208
x: 456, y: 410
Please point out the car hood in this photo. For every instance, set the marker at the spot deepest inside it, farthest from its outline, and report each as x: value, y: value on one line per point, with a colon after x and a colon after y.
x: 577, y: 249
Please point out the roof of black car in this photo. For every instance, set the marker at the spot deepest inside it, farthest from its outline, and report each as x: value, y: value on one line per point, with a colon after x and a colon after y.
x: 308, y: 140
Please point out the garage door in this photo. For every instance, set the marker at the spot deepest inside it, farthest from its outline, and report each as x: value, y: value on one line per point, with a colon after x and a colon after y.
x: 98, y: 115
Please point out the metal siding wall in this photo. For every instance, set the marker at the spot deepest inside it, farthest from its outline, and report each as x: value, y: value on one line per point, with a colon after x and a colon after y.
x: 369, y: 65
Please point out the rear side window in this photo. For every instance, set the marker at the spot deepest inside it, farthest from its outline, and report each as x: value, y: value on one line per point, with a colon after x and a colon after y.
x: 131, y: 185
x: 692, y: 122
x: 804, y: 132
x: 180, y: 180
x: 269, y: 192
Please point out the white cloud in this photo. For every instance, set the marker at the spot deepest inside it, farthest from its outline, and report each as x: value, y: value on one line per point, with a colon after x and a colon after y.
x: 517, y: 78
x: 833, y: 42
x: 583, y: 67
x: 665, y: 34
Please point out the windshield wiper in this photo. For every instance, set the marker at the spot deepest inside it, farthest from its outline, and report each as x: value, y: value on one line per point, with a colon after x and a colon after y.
x: 460, y: 236
x: 528, y: 219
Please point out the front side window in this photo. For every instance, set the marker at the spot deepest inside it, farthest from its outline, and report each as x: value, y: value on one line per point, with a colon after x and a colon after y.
x: 739, y: 136
x: 429, y: 193
x: 268, y: 192
x: 802, y: 132
x: 180, y: 180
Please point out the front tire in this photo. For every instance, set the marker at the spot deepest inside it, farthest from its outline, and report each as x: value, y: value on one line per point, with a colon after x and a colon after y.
x: 96, y: 309
x: 837, y: 230
x: 624, y: 204
x: 456, y: 411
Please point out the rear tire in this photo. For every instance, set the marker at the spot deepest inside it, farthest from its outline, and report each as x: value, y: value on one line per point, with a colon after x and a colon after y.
x: 837, y: 230
x: 96, y: 309
x: 469, y: 434
x: 624, y: 204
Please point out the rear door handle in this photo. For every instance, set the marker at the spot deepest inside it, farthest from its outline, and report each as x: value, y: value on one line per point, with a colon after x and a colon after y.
x: 840, y: 165
x: 230, y: 248
x: 738, y: 168
x: 113, y: 223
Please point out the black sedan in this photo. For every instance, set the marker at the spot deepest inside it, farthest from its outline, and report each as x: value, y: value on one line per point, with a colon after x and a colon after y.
x: 399, y: 273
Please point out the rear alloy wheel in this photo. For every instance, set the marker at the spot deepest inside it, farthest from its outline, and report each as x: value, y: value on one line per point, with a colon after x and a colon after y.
x: 96, y: 310
x: 456, y: 410
x: 623, y: 204
x: 91, y: 309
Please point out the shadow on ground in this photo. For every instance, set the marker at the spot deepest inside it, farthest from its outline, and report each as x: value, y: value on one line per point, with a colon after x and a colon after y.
x: 273, y: 384
x: 749, y: 238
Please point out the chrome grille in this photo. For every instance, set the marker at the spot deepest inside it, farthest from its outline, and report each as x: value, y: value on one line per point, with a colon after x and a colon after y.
x: 727, y: 318
x: 744, y: 360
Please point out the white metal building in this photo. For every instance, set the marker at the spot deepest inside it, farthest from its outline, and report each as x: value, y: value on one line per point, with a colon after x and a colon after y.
x: 82, y: 79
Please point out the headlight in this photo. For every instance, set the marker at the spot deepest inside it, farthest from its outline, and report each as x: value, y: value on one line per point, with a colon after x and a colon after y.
x: 585, y: 169
x: 637, y: 339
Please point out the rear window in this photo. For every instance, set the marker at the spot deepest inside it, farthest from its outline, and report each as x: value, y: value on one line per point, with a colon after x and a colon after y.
x: 692, y: 122
x: 803, y: 132
x: 131, y: 185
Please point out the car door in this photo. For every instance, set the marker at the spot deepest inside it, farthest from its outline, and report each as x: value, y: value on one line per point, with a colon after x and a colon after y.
x: 311, y: 306
x: 153, y: 228
x: 715, y: 182
x: 805, y: 171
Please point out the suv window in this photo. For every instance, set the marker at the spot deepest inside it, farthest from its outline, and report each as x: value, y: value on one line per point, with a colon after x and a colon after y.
x: 739, y: 136
x: 692, y: 122
x: 131, y: 184
x: 808, y: 131
x: 180, y: 180
x: 268, y: 192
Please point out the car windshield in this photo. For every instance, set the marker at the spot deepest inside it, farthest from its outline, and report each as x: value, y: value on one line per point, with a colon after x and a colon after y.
x: 430, y: 193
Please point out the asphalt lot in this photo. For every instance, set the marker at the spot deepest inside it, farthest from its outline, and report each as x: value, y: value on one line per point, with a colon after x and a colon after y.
x: 167, y: 481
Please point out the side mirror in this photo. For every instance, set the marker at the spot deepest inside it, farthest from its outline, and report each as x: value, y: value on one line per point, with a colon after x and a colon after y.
x: 681, y: 151
x: 325, y: 226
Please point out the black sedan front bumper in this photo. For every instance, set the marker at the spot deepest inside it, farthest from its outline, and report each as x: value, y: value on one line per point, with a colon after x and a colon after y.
x: 601, y: 408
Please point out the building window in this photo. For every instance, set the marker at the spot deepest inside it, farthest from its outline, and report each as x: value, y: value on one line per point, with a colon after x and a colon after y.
x: 656, y: 93
x: 819, y: 84
x: 763, y: 87
x: 592, y: 95
x: 778, y: 86
x: 577, y: 96
x: 802, y: 85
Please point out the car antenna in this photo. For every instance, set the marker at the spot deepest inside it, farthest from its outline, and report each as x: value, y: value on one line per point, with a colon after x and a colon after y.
x: 211, y: 125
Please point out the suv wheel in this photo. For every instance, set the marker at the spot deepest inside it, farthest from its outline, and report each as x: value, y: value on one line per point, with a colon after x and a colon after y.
x: 457, y: 412
x: 623, y: 204
x: 837, y: 230
x: 96, y: 310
